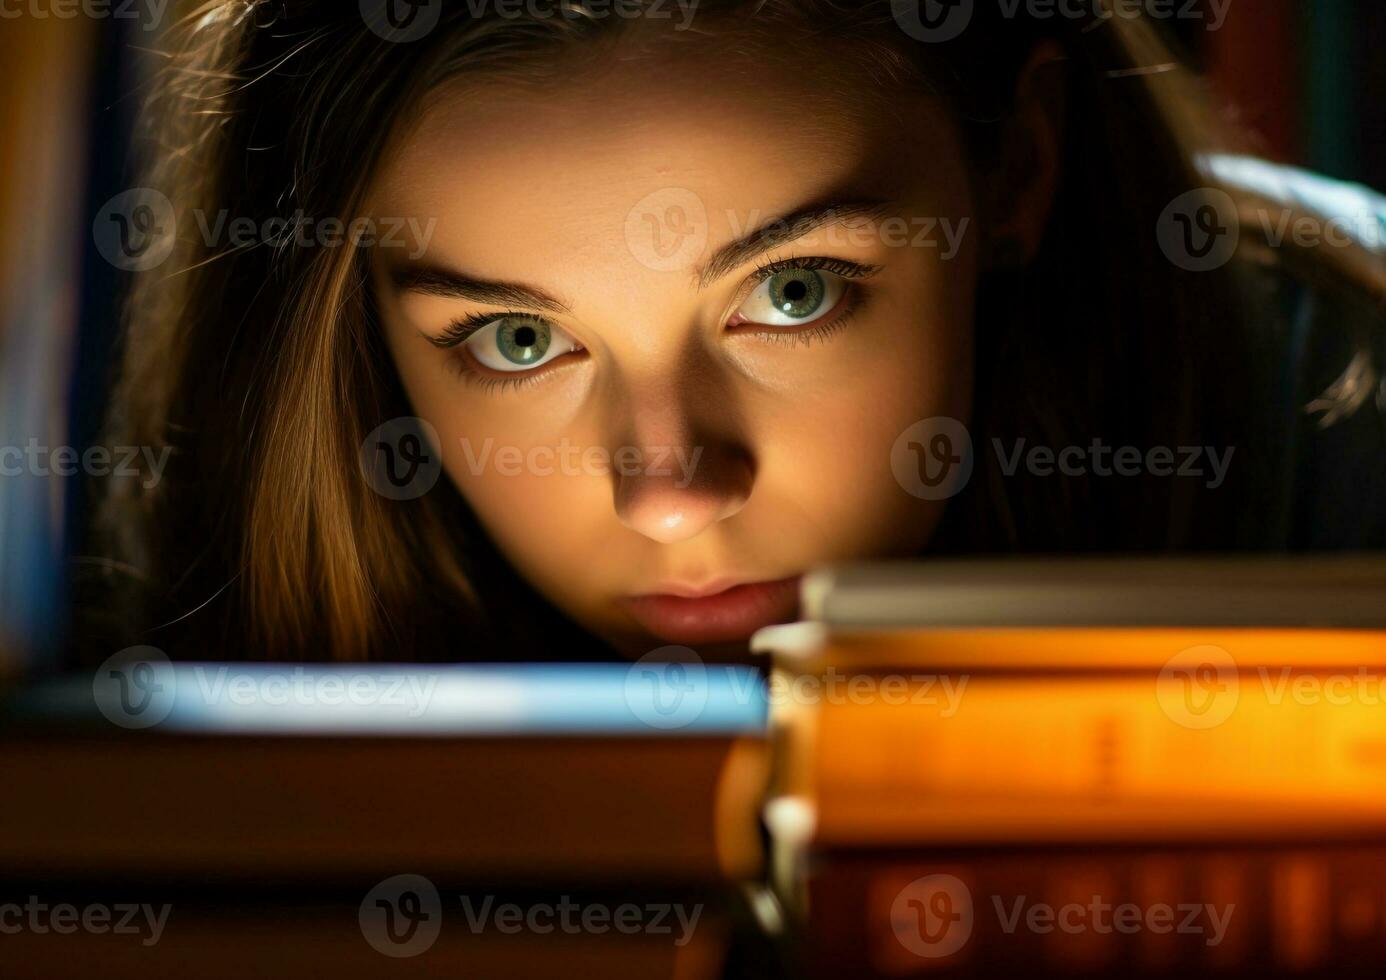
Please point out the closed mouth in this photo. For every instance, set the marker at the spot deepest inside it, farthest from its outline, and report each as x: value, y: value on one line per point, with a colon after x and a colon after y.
x: 732, y: 613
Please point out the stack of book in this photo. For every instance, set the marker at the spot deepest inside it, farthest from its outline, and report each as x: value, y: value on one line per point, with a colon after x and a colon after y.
x: 1083, y: 768
x: 947, y: 769
x: 506, y: 821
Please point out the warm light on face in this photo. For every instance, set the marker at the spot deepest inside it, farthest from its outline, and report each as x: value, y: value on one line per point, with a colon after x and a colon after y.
x: 760, y: 384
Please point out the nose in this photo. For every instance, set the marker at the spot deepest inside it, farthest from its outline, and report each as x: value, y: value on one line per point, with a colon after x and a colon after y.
x: 695, y: 488
x: 680, y: 476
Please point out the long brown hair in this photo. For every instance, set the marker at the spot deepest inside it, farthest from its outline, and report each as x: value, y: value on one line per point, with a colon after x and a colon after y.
x: 262, y: 368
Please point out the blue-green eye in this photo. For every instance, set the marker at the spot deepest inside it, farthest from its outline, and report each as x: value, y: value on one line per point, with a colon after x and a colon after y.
x: 792, y: 297
x: 518, y: 343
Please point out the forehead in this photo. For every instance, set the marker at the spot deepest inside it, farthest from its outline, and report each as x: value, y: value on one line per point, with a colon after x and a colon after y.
x: 552, y: 176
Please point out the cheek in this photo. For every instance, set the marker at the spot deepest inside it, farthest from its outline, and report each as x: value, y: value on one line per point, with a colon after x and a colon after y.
x: 834, y: 463
x: 523, y: 467
x: 537, y: 504
x: 910, y: 360
x: 527, y: 474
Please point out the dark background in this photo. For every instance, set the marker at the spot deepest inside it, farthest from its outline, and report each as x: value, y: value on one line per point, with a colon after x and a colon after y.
x: 1305, y: 77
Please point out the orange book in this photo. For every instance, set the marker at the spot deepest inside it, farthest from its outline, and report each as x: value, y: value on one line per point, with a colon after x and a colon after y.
x: 966, y: 751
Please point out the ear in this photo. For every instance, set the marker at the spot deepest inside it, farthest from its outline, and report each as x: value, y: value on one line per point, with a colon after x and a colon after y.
x: 1019, y: 191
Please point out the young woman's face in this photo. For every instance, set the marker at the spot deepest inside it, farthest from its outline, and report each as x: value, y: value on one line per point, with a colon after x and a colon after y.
x: 661, y: 416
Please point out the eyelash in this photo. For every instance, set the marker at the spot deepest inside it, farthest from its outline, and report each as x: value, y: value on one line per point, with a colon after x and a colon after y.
x: 466, y: 366
x: 490, y: 384
x: 460, y: 330
x: 839, y: 267
x: 852, y: 300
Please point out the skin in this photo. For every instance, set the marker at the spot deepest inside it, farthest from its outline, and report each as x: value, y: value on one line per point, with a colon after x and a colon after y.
x: 792, y: 434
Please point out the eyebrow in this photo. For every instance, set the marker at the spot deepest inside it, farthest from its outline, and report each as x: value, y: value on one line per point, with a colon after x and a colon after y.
x: 437, y: 281
x: 784, y: 230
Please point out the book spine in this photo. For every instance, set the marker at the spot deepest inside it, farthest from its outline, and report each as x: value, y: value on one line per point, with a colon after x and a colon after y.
x: 967, y: 757
x: 1227, y: 911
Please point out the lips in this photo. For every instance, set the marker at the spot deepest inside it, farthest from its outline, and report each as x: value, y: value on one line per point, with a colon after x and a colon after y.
x: 716, y: 617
